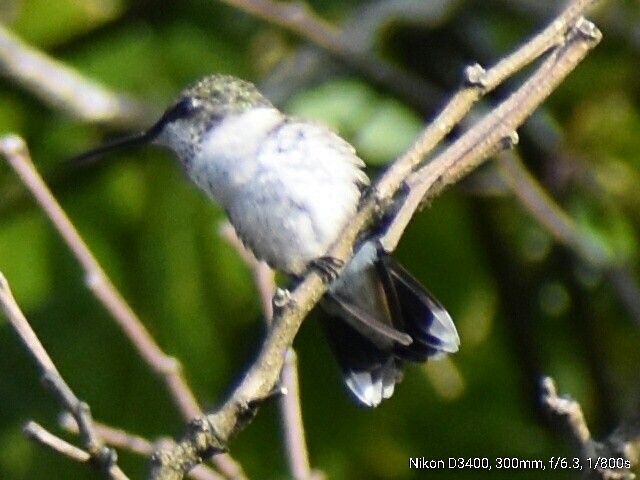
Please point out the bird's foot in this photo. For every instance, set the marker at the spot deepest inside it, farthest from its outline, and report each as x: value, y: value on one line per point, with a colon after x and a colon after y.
x: 281, y: 299
x: 327, y: 267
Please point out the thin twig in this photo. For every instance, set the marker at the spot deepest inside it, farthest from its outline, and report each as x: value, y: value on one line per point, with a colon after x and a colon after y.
x: 166, y: 367
x: 290, y: 408
x: 496, y: 130
x: 39, y: 434
x: 565, y: 231
x: 479, y: 82
x: 115, y: 436
x: 212, y: 433
x: 293, y: 426
x: 297, y: 17
x: 134, y: 443
x: 567, y: 415
x: 96, y: 279
x: 103, y: 456
x: 59, y: 86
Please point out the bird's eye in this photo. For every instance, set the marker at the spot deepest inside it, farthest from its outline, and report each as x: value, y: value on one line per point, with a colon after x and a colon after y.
x: 183, y: 109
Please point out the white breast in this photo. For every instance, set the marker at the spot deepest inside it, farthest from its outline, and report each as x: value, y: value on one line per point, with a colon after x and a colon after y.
x: 289, y: 186
x: 228, y: 153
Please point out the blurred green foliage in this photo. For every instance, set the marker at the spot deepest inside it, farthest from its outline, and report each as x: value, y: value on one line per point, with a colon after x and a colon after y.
x: 523, y: 305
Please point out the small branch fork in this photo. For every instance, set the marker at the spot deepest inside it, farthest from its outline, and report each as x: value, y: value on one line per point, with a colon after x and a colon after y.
x: 95, y: 450
x: 125, y: 441
x: 610, y: 460
x: 166, y: 367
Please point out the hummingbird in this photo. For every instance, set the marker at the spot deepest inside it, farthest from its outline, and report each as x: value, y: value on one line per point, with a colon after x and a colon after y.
x: 289, y: 186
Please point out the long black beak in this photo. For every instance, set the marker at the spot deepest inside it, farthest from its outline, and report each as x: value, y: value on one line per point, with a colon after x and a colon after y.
x: 182, y: 108
x: 129, y: 141
x: 135, y: 140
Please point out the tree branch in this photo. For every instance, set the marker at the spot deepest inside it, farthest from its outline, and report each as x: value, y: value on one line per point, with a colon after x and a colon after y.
x: 39, y: 434
x: 493, y: 133
x: 96, y: 451
x: 596, y: 457
x: 166, y: 367
x: 97, y: 280
x: 565, y: 231
x: 297, y: 17
x: 290, y: 409
x: 134, y: 443
x: 61, y: 87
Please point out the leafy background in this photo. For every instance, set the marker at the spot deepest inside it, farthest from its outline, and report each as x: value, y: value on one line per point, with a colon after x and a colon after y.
x: 524, y: 306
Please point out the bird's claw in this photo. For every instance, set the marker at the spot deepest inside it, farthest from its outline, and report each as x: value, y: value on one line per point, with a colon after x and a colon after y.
x: 327, y: 267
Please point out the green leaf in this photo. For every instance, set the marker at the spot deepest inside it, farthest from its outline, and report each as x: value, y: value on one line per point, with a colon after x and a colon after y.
x: 46, y: 23
x: 344, y: 105
x: 390, y: 130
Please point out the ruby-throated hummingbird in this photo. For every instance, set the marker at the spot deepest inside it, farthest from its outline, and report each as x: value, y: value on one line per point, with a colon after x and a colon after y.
x: 289, y: 187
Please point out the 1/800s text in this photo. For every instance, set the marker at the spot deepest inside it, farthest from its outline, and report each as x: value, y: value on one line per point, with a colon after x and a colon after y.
x: 515, y: 463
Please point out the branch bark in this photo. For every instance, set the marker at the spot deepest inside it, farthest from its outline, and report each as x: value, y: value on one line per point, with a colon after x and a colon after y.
x: 60, y: 86
x: 133, y: 443
x: 166, y: 367
x: 96, y: 451
x: 599, y: 461
x: 290, y: 408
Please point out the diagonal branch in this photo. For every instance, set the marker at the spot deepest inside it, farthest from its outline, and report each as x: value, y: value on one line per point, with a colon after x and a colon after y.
x: 124, y: 440
x: 97, y: 280
x: 496, y: 130
x: 598, y: 460
x: 103, y: 456
x: 39, y: 434
x: 59, y: 86
x: 565, y: 231
x: 166, y: 367
x: 290, y: 408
